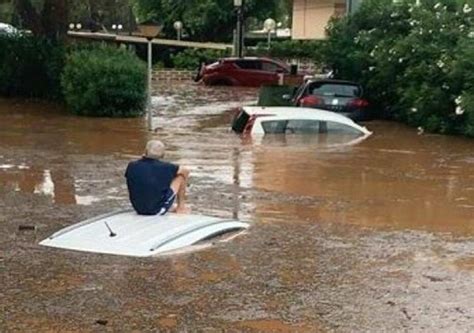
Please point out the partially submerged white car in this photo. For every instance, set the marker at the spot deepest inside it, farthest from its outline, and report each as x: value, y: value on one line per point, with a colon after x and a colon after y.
x: 256, y: 120
x: 8, y: 29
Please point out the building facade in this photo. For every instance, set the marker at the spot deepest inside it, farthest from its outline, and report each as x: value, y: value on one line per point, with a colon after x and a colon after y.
x: 310, y: 17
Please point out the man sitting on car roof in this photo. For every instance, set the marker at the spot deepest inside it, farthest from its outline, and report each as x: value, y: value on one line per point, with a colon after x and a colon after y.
x: 154, y: 184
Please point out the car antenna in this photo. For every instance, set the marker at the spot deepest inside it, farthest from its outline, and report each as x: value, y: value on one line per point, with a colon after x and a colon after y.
x: 112, y: 234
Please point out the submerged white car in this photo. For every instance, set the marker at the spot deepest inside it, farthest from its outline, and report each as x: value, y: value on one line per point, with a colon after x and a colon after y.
x: 8, y: 29
x: 253, y: 120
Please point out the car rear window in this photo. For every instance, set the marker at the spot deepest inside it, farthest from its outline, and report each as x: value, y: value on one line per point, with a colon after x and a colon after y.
x: 240, y: 121
x: 335, y: 89
x: 249, y: 64
x: 271, y: 67
x: 302, y: 126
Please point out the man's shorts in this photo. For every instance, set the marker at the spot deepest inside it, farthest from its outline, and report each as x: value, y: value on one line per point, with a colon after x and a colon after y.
x: 167, y: 201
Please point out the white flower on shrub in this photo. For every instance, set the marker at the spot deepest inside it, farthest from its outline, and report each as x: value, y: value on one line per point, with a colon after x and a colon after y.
x: 371, y: 68
x: 459, y: 109
x: 372, y: 53
x: 462, y: 27
x: 440, y: 63
x: 400, y: 60
x: 471, y: 34
x: 437, y: 5
x: 414, y: 110
x: 466, y: 9
x: 445, y: 86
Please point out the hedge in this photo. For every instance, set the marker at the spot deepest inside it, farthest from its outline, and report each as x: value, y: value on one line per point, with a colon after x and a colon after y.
x: 291, y: 49
x: 191, y: 59
x: 418, y: 64
x: 104, y: 81
x: 30, y: 67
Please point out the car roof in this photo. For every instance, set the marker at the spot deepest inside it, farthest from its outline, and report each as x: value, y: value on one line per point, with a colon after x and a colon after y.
x: 304, y: 113
x: 333, y: 81
x: 231, y: 59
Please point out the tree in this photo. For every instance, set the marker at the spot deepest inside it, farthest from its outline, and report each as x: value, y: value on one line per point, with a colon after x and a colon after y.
x: 48, y: 18
x: 205, y: 20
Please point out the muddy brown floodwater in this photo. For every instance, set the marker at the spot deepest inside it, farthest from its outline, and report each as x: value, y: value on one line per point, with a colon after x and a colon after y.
x: 376, y: 236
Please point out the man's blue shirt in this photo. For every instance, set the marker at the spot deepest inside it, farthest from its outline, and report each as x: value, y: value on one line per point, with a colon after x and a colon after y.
x: 148, y: 181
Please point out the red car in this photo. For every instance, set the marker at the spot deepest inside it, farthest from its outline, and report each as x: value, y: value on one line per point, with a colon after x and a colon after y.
x: 251, y: 72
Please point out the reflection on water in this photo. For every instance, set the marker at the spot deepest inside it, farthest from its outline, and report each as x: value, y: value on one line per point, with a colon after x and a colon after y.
x: 395, y: 178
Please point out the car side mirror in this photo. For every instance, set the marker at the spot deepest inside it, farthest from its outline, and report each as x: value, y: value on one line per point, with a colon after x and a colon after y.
x: 286, y: 97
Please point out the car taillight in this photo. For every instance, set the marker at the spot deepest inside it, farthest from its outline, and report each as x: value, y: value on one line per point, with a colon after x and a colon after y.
x: 359, y: 103
x: 310, y: 101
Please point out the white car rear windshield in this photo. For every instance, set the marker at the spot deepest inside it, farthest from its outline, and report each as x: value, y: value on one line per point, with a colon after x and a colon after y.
x: 298, y: 126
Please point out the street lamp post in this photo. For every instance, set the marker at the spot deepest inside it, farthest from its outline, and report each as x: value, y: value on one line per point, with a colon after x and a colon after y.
x: 238, y: 4
x: 269, y: 25
x: 178, y: 26
x: 149, y: 30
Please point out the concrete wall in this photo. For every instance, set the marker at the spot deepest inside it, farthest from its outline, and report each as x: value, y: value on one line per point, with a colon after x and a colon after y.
x: 172, y: 75
x: 310, y: 17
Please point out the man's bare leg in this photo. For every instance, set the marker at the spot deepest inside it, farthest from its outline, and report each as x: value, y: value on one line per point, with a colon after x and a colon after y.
x: 178, y: 185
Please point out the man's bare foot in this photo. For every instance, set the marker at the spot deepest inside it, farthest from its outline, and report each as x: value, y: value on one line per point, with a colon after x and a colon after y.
x: 182, y: 210
x: 172, y: 209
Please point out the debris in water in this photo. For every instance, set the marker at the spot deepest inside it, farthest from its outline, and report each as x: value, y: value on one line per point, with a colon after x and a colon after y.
x: 26, y: 227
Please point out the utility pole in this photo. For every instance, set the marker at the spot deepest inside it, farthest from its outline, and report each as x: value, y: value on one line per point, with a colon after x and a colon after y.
x: 349, y: 7
x: 238, y: 4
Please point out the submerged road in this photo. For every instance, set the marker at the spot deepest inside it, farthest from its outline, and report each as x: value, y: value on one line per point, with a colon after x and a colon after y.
x: 372, y: 237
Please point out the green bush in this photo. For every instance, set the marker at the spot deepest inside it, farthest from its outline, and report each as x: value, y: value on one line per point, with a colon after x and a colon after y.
x: 105, y: 82
x: 291, y: 49
x: 191, y: 59
x: 416, y: 64
x: 30, y: 67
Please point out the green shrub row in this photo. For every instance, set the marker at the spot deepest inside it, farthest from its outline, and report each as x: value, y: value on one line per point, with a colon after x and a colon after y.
x: 30, y: 67
x: 191, y: 59
x: 415, y: 59
x: 93, y: 80
x: 291, y: 49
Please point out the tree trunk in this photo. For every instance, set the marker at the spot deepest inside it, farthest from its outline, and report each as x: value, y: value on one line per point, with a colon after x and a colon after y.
x: 54, y: 18
x: 28, y: 16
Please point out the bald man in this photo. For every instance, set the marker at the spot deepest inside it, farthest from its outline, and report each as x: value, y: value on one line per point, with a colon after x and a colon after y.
x: 153, y: 184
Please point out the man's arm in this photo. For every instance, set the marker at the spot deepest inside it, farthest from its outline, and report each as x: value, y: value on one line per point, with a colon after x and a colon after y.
x: 182, y: 171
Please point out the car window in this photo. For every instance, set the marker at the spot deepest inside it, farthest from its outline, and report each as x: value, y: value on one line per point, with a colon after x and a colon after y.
x: 249, y: 64
x: 274, y: 126
x: 301, y: 126
x: 271, y: 67
x: 337, y: 128
x: 333, y: 89
x: 306, y: 126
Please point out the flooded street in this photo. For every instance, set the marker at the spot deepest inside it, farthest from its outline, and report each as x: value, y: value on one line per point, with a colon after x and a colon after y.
x: 377, y: 236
